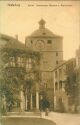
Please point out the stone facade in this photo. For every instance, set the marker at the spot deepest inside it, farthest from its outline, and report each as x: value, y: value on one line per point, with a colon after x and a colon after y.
x: 61, y: 99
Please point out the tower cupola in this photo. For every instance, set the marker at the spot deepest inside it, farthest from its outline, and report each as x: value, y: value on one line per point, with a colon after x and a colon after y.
x: 42, y: 24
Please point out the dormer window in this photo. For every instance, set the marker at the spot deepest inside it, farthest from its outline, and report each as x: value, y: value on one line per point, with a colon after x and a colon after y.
x: 49, y: 41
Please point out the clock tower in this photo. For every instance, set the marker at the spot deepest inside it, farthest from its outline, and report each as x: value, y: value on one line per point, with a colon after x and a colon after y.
x: 50, y: 46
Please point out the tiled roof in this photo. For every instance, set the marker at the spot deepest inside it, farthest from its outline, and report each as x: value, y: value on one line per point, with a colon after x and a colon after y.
x: 12, y: 42
x: 42, y: 31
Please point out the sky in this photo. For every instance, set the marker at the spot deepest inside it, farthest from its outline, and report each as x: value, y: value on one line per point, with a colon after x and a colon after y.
x: 23, y: 19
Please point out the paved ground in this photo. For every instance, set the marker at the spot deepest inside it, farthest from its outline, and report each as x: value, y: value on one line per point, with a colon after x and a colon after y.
x: 26, y: 121
x: 58, y: 118
x: 64, y: 119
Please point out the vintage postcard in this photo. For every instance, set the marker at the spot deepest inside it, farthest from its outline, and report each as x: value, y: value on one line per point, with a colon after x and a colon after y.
x: 39, y: 62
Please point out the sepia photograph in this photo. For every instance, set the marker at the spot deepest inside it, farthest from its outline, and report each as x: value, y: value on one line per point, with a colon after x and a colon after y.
x: 39, y: 62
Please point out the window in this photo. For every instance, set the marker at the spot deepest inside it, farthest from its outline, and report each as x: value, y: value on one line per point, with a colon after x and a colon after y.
x: 46, y: 85
x: 56, y: 53
x: 31, y: 41
x: 57, y: 62
x: 56, y: 86
x: 28, y: 63
x: 12, y: 61
x: 60, y: 73
x: 44, y: 33
x: 60, y: 84
x: 60, y: 101
x: 56, y: 75
x: 20, y: 62
x: 49, y: 41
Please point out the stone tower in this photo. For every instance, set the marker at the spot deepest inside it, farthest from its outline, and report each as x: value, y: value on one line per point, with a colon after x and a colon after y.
x: 49, y: 44
x: 51, y: 48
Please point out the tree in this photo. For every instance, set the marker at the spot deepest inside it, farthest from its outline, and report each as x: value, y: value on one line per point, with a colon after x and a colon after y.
x: 12, y: 77
x: 71, y: 86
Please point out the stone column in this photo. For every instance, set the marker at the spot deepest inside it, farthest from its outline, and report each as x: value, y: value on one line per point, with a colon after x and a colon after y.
x: 58, y: 78
x: 54, y: 81
x: 37, y: 96
x: 55, y: 103
x: 31, y: 102
x: 26, y: 103
x: 22, y: 100
x: 37, y: 100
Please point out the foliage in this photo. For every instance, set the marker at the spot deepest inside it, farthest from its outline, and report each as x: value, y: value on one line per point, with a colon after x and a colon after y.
x: 13, y: 77
x: 71, y: 85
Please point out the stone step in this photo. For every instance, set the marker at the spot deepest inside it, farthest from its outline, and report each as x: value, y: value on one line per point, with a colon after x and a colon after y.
x: 37, y: 113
